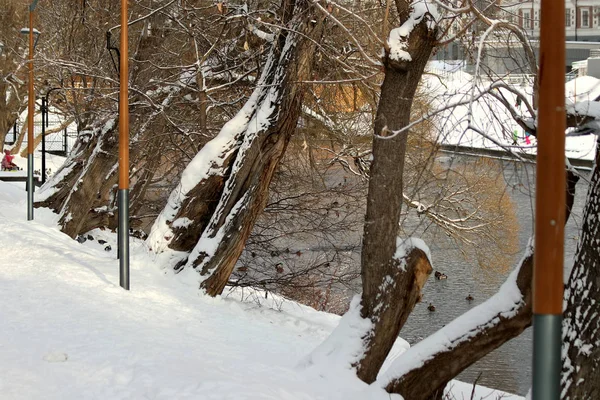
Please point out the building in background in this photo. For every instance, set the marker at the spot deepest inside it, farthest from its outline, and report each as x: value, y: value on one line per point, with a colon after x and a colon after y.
x: 502, y: 54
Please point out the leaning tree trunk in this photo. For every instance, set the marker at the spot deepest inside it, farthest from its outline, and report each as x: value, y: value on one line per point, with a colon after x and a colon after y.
x: 426, y: 369
x: 83, y: 190
x: 211, y: 213
x: 581, y: 325
x: 388, y: 304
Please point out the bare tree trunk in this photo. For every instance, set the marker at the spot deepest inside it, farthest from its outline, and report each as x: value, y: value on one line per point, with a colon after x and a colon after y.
x: 211, y: 219
x: 425, y: 375
x: 581, y: 324
x: 83, y: 189
x: 427, y: 368
x: 384, y: 203
x: 9, y: 111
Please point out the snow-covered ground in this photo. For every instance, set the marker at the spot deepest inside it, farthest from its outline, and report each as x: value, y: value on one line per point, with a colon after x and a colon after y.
x: 495, y: 128
x: 68, y: 331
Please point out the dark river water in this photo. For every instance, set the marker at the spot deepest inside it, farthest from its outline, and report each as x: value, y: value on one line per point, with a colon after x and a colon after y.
x: 509, y: 367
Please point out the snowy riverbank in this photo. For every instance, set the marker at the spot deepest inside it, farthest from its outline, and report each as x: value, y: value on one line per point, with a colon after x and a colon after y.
x: 69, y: 331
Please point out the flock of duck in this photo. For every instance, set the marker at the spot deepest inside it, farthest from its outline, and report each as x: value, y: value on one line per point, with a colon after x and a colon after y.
x: 441, y: 276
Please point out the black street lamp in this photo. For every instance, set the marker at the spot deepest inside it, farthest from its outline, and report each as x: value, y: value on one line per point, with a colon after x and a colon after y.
x: 45, y: 115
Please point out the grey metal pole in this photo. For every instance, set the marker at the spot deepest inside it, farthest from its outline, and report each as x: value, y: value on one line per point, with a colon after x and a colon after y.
x: 30, y: 187
x: 44, y: 117
x: 123, y: 239
x: 547, y: 364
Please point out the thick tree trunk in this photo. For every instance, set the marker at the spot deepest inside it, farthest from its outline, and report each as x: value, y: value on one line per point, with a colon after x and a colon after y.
x: 83, y: 190
x: 581, y: 324
x: 344, y: 348
x: 212, y: 212
x: 384, y: 203
x: 426, y: 368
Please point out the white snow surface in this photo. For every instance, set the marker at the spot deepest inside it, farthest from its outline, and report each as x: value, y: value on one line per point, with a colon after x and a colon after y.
x: 69, y: 332
x: 450, y: 86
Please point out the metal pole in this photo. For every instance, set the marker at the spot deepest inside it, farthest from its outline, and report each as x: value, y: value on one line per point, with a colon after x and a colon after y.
x: 44, y: 119
x: 30, y: 117
x: 124, y: 152
x: 549, y: 205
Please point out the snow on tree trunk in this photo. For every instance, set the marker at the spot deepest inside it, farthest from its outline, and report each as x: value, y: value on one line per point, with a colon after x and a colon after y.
x: 581, y: 325
x: 345, y: 348
x: 83, y: 190
x: 211, y: 213
x: 388, y: 304
x: 425, y: 369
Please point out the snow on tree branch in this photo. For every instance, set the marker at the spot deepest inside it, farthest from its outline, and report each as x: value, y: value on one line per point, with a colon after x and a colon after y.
x: 504, y: 304
x: 398, y: 38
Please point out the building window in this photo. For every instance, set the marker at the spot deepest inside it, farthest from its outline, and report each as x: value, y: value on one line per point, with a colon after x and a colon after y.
x: 526, y: 20
x: 585, y: 18
x: 568, y: 17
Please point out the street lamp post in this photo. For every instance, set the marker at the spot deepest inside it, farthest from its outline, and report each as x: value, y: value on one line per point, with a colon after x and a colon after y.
x: 30, y: 114
x: 44, y: 111
x: 123, y: 234
x: 549, y: 206
x: 45, y: 115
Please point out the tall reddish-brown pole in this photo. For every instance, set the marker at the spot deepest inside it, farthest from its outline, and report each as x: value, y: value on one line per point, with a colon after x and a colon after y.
x: 30, y: 118
x: 549, y: 205
x: 124, y: 151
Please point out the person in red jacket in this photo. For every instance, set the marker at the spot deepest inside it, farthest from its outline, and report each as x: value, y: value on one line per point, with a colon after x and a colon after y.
x: 7, y: 162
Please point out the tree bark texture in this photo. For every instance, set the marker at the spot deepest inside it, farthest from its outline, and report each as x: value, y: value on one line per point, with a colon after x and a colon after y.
x: 428, y: 379
x: 221, y: 209
x: 581, y: 324
x: 384, y: 203
x: 10, y: 107
x: 83, y: 190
